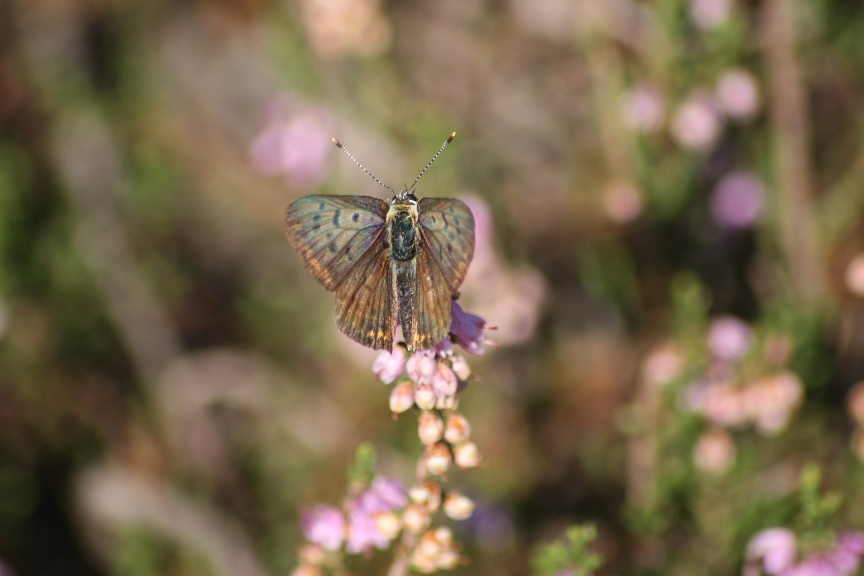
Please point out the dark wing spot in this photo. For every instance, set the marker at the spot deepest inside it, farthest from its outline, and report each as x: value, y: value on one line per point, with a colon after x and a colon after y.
x: 456, y: 222
x: 449, y: 248
x: 315, y: 227
x: 321, y: 206
x: 316, y: 217
x: 336, y: 218
x: 434, y: 220
x: 329, y: 235
x: 356, y: 216
x: 334, y: 248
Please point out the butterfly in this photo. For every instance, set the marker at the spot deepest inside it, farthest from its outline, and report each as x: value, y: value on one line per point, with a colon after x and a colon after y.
x: 390, y: 263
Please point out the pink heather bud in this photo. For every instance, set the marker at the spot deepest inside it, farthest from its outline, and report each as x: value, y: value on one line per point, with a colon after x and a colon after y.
x: 855, y: 275
x: 389, y: 365
x: 738, y: 201
x: 388, y: 523
x: 710, y: 14
x: 415, y: 518
x: 738, y: 94
x: 775, y: 547
x: 729, y: 338
x: 466, y: 455
x: 854, y: 402
x: 421, y: 367
x: 643, y: 109
x: 623, y: 202
x: 437, y: 458
x: 306, y: 570
x: 458, y: 429
x: 458, y: 506
x: 428, y: 494
x: 447, y: 403
x: 402, y: 398
x: 431, y: 428
x: 460, y: 367
x: 425, y: 396
x: 696, y: 123
x: 312, y: 554
x: 662, y: 365
x: 444, y: 380
x: 325, y: 526
x: 714, y: 451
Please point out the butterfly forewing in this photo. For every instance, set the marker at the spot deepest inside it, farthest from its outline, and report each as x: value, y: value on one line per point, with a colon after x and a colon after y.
x: 365, y: 310
x: 332, y: 233
x: 447, y: 233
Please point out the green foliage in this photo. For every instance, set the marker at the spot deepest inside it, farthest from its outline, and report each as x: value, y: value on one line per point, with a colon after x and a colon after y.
x: 362, y: 470
x: 817, y: 515
x: 572, y: 557
x: 141, y: 552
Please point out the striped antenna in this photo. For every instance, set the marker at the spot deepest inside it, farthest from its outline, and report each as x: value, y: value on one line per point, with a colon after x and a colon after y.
x: 345, y: 150
x: 450, y: 139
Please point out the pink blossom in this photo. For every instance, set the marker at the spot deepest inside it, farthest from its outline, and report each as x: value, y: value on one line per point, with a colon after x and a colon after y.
x: 738, y: 201
x: 467, y: 330
x: 854, y: 276
x: 295, y: 143
x: 710, y: 14
x: 643, y: 109
x: 325, y: 526
x: 389, y: 365
x: 738, y: 94
x: 775, y: 547
x: 729, y: 338
x: 696, y: 123
x: 390, y: 491
x: 364, y: 534
x: 421, y: 367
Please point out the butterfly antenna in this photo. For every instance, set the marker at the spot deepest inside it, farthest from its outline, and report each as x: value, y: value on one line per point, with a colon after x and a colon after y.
x: 345, y: 150
x: 450, y: 139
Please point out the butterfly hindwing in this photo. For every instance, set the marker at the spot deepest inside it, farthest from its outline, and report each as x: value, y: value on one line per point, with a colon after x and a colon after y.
x: 431, y: 311
x: 365, y: 310
x: 447, y: 233
x: 332, y: 233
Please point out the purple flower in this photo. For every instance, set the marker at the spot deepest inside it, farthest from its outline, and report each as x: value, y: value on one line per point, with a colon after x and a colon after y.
x: 815, y: 566
x: 738, y: 94
x: 729, y: 338
x: 390, y: 491
x: 325, y: 526
x: 738, y: 201
x: 696, y: 123
x: 389, y: 365
x: 467, y: 329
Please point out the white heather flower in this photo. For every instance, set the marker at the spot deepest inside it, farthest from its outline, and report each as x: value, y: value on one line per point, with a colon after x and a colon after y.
x: 458, y: 429
x: 430, y: 428
x: 444, y: 380
x: 402, y: 398
x: 466, y: 455
x: 388, y: 523
x: 458, y: 506
x: 425, y: 397
x: 415, y: 518
x: 428, y: 494
x: 437, y: 458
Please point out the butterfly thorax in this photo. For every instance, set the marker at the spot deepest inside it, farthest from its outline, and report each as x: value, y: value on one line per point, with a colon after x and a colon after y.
x: 402, y: 228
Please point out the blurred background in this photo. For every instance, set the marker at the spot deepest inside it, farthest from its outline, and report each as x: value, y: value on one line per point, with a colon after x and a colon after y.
x: 670, y: 242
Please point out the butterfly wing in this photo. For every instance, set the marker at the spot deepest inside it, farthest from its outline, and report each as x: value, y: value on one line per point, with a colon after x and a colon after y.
x: 332, y: 233
x: 444, y: 251
x: 364, y: 300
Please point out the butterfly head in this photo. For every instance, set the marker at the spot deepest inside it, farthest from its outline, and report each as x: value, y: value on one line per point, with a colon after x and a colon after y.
x: 404, y: 198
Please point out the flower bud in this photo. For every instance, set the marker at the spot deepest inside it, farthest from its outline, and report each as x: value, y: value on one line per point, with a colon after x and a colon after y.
x: 428, y: 494
x: 457, y: 430
x: 458, y: 506
x: 444, y: 380
x: 415, y: 518
x: 466, y: 455
x: 425, y: 397
x: 389, y: 365
x: 437, y: 458
x: 388, y: 524
x: 460, y: 367
x: 447, y: 402
x: 402, y: 397
x: 431, y: 428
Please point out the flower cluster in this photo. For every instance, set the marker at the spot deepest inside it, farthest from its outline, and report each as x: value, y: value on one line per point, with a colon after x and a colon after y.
x: 375, y: 517
x: 744, y: 383
x: 773, y: 552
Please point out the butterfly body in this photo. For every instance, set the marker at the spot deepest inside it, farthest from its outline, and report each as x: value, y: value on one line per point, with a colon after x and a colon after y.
x: 389, y: 264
